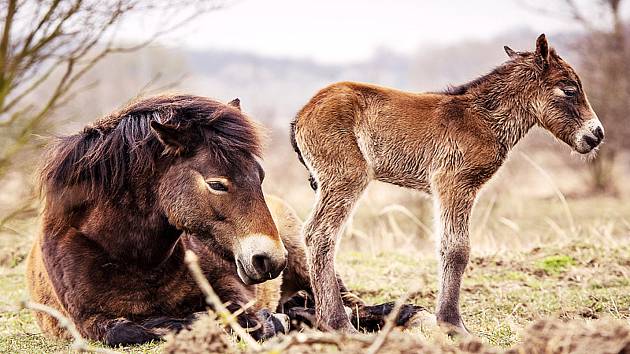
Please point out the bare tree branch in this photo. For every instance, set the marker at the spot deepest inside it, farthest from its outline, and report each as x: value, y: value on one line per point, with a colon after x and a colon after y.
x: 47, y: 47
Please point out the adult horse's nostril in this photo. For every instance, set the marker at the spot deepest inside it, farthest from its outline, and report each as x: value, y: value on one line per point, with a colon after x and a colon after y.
x: 262, y: 263
x: 599, y: 133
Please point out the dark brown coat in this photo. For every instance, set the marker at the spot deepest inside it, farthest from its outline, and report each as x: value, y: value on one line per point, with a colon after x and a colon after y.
x: 129, y: 194
x: 122, y: 201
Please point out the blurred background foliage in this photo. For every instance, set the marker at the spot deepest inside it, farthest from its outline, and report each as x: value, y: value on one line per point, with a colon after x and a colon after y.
x: 65, y: 63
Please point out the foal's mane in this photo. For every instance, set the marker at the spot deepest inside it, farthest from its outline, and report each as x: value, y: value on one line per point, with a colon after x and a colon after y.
x: 104, y: 155
x: 465, y: 88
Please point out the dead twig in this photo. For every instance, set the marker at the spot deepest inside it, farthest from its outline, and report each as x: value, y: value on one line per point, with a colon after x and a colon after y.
x: 314, y: 337
x: 78, y: 343
x: 213, y: 300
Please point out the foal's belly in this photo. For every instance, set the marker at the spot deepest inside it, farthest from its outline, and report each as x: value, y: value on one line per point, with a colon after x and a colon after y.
x: 407, y: 169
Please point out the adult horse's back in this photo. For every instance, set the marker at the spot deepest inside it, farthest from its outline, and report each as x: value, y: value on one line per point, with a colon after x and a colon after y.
x: 122, y: 199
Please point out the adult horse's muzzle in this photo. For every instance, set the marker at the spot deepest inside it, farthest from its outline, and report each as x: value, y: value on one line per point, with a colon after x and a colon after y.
x: 260, y: 258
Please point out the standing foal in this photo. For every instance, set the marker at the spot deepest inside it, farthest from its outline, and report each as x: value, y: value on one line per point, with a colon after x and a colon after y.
x: 446, y: 144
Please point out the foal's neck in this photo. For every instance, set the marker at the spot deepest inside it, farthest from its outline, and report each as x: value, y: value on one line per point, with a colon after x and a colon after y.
x: 506, y: 102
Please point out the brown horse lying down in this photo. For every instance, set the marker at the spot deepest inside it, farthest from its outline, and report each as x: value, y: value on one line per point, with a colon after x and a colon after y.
x: 129, y: 194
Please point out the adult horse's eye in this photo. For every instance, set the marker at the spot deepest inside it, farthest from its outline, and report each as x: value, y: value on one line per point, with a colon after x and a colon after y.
x: 569, y: 91
x: 217, y: 186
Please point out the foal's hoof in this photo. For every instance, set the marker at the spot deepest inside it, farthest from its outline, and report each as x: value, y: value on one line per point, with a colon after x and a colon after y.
x: 453, y: 331
x: 347, y: 328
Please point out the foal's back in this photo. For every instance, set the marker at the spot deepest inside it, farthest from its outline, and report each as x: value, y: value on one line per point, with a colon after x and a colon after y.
x: 374, y: 132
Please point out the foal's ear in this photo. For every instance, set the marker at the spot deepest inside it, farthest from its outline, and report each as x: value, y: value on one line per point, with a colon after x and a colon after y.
x: 169, y: 136
x: 542, y: 51
x: 510, y: 52
x: 236, y: 103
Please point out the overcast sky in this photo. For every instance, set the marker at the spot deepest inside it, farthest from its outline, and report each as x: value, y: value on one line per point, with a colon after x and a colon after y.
x: 345, y: 30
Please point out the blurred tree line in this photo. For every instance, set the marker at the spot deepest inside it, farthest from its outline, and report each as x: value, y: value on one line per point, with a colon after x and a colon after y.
x: 46, y: 48
x: 605, y: 63
x: 49, y: 50
x: 604, y: 52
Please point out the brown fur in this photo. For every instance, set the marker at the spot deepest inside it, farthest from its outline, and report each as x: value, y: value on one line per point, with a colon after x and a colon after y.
x: 123, y: 199
x: 445, y: 144
x: 127, y: 196
x: 276, y: 294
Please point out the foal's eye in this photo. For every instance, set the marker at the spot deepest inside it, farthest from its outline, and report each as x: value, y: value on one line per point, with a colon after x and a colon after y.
x: 569, y: 91
x: 217, y: 186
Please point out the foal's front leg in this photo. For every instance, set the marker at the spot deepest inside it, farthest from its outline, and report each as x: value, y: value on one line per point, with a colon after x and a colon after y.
x: 453, y: 205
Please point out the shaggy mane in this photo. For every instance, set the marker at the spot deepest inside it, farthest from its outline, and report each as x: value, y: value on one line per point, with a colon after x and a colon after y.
x: 464, y: 88
x: 105, y: 154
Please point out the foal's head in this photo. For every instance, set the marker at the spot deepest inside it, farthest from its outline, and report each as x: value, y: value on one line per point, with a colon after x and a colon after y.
x: 212, y: 188
x: 558, y: 100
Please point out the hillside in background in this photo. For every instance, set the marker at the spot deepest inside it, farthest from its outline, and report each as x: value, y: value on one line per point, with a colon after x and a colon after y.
x: 274, y: 89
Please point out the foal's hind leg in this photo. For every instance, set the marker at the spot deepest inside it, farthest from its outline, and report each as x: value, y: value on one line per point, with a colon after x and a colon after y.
x: 334, y: 204
x: 325, y: 137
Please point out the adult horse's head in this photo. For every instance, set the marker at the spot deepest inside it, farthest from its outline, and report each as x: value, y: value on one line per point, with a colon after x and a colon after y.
x: 212, y: 186
x: 558, y: 99
x: 190, y: 160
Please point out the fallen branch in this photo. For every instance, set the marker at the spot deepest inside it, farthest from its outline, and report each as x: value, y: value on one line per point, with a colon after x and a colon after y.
x: 78, y: 343
x: 213, y: 300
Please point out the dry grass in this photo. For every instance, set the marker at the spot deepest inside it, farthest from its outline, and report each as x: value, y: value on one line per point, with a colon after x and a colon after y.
x: 537, y: 254
x: 544, y: 336
x: 585, y: 278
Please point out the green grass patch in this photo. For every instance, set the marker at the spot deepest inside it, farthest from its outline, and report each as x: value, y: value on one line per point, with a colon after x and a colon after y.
x: 555, y: 264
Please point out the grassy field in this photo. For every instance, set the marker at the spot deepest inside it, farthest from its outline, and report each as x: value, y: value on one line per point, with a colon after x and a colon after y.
x: 568, y: 261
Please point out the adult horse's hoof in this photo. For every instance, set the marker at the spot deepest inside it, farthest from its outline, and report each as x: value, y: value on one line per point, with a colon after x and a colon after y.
x: 372, y: 318
x: 125, y: 332
x: 281, y: 322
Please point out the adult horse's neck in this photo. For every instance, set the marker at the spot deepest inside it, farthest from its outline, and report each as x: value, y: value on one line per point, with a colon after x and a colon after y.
x: 147, y: 238
x: 128, y: 228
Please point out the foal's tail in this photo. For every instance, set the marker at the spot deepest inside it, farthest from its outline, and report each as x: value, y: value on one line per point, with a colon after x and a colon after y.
x: 296, y: 148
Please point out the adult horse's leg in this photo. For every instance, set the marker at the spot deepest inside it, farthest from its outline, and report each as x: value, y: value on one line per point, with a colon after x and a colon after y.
x: 236, y: 295
x: 453, y: 205
x: 164, y: 324
x: 120, y: 331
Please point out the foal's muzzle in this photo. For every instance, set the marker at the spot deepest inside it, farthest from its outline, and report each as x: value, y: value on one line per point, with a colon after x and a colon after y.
x: 594, y: 138
x: 589, y: 137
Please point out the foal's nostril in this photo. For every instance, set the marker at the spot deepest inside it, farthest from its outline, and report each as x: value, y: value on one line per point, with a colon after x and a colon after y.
x: 599, y: 133
x: 591, y: 141
x: 262, y: 263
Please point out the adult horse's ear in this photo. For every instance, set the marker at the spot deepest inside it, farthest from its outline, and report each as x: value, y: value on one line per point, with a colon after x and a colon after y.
x: 169, y: 136
x: 542, y: 51
x: 510, y: 52
x: 236, y: 103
